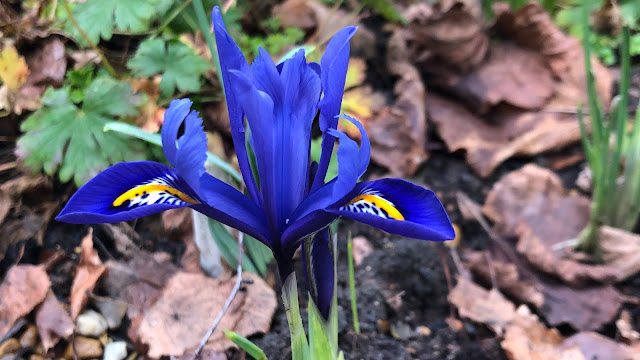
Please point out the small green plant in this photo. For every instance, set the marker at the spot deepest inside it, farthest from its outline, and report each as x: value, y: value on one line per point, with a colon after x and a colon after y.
x: 180, y: 66
x: 99, y: 19
x: 66, y: 134
x: 616, y: 176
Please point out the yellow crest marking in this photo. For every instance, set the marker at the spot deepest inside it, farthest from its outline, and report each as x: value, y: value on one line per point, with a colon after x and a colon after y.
x: 380, y: 203
x: 142, y: 190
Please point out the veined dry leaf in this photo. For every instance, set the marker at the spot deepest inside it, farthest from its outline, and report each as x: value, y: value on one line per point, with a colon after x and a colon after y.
x: 24, y: 287
x: 13, y: 68
x: 507, y: 278
x: 89, y: 271
x: 447, y: 36
x: 489, y: 307
x: 53, y: 321
x: 188, y: 304
x: 526, y: 338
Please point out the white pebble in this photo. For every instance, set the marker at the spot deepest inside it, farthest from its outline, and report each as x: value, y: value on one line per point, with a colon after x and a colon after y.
x: 91, y: 323
x: 115, y: 351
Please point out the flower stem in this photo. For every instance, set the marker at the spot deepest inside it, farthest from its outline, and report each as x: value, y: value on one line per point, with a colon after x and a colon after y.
x: 352, y: 286
x: 299, y: 343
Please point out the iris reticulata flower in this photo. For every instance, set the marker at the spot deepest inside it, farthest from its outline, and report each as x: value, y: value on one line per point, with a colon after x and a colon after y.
x: 291, y: 200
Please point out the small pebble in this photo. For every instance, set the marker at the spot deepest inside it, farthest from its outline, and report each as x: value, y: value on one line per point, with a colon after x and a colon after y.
x: 30, y: 337
x: 85, y: 348
x: 91, y: 323
x: 115, y: 351
x: 9, y: 346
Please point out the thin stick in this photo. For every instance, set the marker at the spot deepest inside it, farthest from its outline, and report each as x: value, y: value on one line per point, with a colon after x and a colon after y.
x: 232, y: 296
x: 8, y: 166
x: 14, y: 329
x: 84, y: 36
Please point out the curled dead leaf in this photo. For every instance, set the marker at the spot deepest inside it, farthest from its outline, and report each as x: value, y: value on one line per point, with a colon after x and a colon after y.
x: 447, y: 36
x: 24, y: 287
x: 398, y: 132
x: 89, y: 271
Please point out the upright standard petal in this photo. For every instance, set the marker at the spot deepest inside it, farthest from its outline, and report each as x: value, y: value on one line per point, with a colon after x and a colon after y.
x: 231, y: 58
x: 128, y: 191
x: 334, y: 64
x: 319, y: 267
x: 398, y: 207
x: 280, y: 108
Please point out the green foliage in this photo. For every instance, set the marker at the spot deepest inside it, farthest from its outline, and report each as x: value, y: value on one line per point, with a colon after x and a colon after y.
x: 274, y: 43
x: 386, y: 9
x: 352, y: 286
x: 254, y: 260
x: 569, y: 17
x: 180, y: 66
x: 316, y: 151
x: 245, y: 344
x: 99, y: 18
x: 66, y: 134
x: 616, y: 198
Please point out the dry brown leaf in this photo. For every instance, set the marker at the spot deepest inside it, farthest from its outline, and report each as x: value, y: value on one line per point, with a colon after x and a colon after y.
x: 295, y: 13
x: 620, y: 250
x: 24, y: 287
x: 139, y: 281
x: 507, y: 278
x: 584, y: 309
x: 506, y: 90
x: 595, y: 346
x: 188, y: 304
x: 489, y: 307
x: 447, y: 36
x: 509, y: 74
x: 398, y: 132
x: 526, y: 338
x: 48, y: 65
x: 53, y: 321
x: 532, y: 204
x: 89, y: 271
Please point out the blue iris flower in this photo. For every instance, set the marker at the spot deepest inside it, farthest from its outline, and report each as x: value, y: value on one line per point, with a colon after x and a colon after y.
x: 291, y: 202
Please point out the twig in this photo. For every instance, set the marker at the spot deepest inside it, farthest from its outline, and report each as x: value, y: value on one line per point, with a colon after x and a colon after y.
x: 84, y: 35
x: 232, y: 296
x: 14, y: 329
x: 8, y: 166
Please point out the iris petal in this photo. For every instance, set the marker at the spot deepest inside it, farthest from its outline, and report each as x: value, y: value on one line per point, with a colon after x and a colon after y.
x: 231, y: 58
x: 319, y: 268
x: 334, y: 64
x: 398, y: 207
x: 310, y: 216
x: 128, y: 191
x: 229, y: 206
